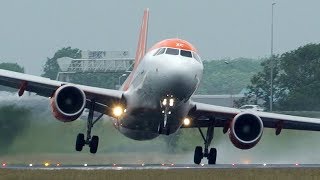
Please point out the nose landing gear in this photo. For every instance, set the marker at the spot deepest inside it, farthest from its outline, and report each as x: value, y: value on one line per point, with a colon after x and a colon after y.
x: 166, y: 104
x: 93, y: 141
x: 210, y: 155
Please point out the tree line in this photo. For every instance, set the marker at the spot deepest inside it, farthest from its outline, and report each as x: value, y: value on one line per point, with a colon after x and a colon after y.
x: 296, y: 81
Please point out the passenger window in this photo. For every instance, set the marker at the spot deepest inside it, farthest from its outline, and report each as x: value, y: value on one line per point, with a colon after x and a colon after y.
x: 195, y: 55
x: 172, y: 51
x: 185, y: 53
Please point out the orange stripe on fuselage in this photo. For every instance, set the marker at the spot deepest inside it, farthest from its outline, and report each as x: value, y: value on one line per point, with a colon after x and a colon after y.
x: 175, y: 43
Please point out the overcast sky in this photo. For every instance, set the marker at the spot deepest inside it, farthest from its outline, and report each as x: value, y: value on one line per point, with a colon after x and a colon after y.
x: 32, y: 30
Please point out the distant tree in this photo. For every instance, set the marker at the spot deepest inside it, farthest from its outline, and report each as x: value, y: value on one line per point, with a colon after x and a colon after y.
x: 296, y: 81
x: 227, y: 76
x: 13, y: 122
x: 258, y: 92
x: 12, y: 67
x: 300, y: 79
x: 51, y: 67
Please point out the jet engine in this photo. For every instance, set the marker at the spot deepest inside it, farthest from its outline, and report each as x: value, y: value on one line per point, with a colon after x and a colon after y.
x: 245, y: 130
x: 68, y: 103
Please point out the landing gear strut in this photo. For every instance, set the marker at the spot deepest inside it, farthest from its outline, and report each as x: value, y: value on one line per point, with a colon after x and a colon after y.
x: 93, y: 141
x: 210, y: 155
x: 166, y: 105
x: 163, y: 129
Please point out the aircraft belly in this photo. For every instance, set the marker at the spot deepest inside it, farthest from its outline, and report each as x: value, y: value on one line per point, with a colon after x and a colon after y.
x: 145, y: 125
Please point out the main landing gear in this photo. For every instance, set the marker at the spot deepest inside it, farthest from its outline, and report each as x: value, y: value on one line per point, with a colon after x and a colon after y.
x: 91, y: 141
x: 210, y: 155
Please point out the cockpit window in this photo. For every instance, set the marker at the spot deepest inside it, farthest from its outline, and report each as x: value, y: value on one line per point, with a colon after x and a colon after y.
x: 172, y: 51
x: 185, y: 53
x: 196, y: 56
x: 160, y: 51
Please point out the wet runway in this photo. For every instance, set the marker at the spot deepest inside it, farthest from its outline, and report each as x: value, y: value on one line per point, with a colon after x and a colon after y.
x: 155, y: 166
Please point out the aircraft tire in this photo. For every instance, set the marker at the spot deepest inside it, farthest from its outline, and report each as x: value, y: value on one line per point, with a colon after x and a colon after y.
x: 212, y: 156
x: 198, y: 155
x: 94, y: 144
x: 80, y: 142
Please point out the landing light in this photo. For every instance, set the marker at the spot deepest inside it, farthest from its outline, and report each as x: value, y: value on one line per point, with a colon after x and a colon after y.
x: 186, y: 121
x: 30, y: 165
x: 117, y: 111
x: 46, y: 164
x: 171, y: 101
x: 4, y: 164
x: 164, y: 102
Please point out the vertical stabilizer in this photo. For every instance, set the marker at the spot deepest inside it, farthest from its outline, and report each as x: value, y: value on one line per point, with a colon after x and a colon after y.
x: 141, y: 48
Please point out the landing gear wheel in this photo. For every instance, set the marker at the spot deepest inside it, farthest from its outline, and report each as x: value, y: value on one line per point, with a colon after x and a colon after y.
x: 94, y: 144
x: 212, y: 156
x: 80, y: 142
x: 198, y: 155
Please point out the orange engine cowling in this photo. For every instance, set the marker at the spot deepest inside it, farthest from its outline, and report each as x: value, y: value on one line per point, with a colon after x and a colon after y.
x: 68, y: 103
x: 245, y: 130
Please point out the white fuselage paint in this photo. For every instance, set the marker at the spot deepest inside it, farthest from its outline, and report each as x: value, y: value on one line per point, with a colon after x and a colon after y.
x: 154, y: 78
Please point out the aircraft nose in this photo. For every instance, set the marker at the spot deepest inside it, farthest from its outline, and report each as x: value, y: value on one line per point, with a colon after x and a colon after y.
x: 180, y: 81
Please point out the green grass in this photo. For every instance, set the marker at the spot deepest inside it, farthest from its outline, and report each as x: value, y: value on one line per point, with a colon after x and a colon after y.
x: 199, y: 174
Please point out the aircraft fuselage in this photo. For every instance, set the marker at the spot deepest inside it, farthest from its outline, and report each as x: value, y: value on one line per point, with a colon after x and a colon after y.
x: 158, y: 77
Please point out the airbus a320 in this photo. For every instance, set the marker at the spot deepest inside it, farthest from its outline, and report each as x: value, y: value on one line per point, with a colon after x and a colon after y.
x: 155, y: 99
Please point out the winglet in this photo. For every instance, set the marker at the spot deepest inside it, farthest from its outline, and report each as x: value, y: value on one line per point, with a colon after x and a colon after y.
x: 141, y: 48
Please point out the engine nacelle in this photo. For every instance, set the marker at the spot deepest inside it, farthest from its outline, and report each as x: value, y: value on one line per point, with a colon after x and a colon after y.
x: 68, y: 103
x: 245, y: 130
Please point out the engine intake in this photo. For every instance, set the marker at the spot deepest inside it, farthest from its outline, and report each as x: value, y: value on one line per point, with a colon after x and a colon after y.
x: 68, y: 103
x: 245, y: 130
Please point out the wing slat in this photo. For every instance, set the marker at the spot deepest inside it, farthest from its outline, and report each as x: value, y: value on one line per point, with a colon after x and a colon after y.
x: 201, y: 113
x: 46, y: 87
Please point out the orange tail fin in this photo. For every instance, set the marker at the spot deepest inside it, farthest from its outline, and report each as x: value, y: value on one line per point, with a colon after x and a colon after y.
x: 141, y: 48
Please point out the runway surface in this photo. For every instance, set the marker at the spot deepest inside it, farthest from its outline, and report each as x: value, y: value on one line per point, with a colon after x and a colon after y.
x: 155, y: 166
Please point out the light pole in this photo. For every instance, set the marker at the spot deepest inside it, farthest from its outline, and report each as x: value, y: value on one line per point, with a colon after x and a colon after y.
x: 271, y: 60
x: 119, y: 79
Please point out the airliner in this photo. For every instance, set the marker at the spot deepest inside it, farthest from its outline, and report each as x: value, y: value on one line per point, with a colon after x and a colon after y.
x: 156, y: 100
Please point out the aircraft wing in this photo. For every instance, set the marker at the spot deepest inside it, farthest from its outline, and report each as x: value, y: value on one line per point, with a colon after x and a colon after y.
x: 46, y: 87
x: 201, y: 114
